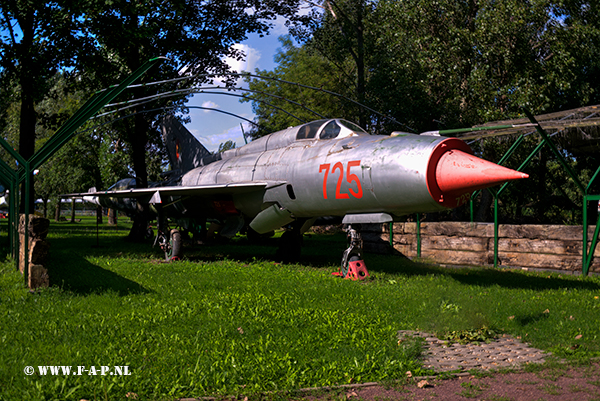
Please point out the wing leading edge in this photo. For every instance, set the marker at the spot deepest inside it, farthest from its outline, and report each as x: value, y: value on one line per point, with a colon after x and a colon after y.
x: 197, y: 190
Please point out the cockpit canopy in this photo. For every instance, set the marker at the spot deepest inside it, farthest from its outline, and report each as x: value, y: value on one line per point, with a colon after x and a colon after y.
x: 329, y: 129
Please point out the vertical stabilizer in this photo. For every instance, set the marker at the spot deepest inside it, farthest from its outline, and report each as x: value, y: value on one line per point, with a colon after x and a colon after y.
x: 185, y: 151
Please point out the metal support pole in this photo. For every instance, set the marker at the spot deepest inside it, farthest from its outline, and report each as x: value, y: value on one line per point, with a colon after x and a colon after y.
x: 590, y: 255
x: 552, y: 147
x: 584, y: 251
x: 525, y: 163
x: 418, y: 235
x: 586, y: 257
x: 471, y: 202
x: 511, y: 150
x: 28, y: 187
x: 13, y: 221
x: 12, y: 176
x: 587, y: 189
x: 495, y: 231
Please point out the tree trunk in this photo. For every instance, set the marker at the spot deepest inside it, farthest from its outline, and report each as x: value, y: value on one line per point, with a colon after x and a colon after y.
x: 138, y: 142
x: 112, y: 217
x: 99, y: 214
x: 360, y: 66
x: 73, y: 210
x: 57, y: 210
x: 484, y: 208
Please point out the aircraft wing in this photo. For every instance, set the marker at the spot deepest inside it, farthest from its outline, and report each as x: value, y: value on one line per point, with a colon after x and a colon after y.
x: 196, y: 190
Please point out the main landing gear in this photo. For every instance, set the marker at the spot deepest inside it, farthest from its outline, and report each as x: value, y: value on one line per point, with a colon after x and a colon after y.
x: 290, y: 244
x: 169, y: 240
x: 353, y: 266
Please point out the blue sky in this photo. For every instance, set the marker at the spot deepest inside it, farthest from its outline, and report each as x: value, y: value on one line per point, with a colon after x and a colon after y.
x: 213, y: 128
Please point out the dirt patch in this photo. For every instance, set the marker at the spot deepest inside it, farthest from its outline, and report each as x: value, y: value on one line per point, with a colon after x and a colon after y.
x: 564, y: 384
x: 507, y: 370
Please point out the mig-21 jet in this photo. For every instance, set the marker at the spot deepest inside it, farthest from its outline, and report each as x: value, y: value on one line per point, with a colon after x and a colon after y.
x: 290, y: 178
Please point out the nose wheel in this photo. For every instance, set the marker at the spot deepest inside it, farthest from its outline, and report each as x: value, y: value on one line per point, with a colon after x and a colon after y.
x: 353, y: 266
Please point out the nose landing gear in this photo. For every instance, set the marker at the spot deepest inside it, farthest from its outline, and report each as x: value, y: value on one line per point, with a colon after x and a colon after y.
x: 353, y: 266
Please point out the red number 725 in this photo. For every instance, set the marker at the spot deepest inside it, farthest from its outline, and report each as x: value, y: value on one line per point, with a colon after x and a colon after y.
x: 349, y: 178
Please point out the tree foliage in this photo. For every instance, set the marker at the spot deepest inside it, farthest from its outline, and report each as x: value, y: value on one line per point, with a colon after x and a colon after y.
x: 227, y: 145
x: 196, y: 37
x: 448, y: 64
x: 100, y: 42
x: 37, y: 40
x: 302, y: 104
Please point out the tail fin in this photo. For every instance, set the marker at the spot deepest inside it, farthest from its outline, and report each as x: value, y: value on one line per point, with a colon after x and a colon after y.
x: 185, y: 151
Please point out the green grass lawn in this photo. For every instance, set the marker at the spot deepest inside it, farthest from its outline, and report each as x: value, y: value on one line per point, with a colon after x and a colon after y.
x: 228, y: 320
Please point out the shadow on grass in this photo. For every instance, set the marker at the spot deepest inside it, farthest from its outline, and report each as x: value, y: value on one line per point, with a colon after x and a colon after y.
x: 81, y: 277
x: 325, y: 251
x: 532, y: 318
x: 482, y: 276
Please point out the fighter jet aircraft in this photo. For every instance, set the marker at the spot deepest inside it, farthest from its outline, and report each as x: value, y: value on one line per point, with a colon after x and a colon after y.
x: 323, y: 168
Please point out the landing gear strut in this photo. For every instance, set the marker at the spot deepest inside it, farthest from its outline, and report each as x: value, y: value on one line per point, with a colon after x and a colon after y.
x: 353, y: 266
x: 169, y: 240
x: 290, y: 245
x: 173, y: 246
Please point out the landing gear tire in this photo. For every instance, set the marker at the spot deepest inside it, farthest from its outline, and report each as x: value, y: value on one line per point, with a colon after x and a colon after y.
x: 173, y: 250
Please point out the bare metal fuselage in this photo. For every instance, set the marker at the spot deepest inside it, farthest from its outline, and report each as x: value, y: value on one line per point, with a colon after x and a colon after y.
x: 323, y: 168
x: 355, y: 174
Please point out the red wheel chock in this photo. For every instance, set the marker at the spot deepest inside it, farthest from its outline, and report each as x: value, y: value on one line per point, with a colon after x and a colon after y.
x: 356, y: 271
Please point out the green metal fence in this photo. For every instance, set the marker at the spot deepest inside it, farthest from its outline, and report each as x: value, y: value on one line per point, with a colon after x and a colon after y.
x: 545, y: 141
x: 23, y: 174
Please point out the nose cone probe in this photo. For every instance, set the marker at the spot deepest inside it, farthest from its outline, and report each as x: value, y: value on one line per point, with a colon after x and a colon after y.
x: 453, y: 174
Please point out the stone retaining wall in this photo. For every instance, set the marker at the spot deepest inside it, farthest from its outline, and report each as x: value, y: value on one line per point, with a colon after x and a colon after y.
x: 458, y: 243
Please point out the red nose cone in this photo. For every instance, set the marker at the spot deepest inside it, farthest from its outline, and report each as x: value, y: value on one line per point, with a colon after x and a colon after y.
x: 461, y: 172
x: 453, y: 173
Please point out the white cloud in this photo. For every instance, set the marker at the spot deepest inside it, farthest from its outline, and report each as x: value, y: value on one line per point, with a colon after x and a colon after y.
x: 279, y: 27
x: 210, y: 104
x: 248, y: 63
x: 212, y: 141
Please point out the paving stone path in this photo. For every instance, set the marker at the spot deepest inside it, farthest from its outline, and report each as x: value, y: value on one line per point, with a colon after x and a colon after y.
x: 506, y: 351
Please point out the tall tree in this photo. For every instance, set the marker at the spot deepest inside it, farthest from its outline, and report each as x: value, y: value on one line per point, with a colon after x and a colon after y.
x: 342, y: 32
x: 303, y: 65
x: 196, y: 36
x: 437, y: 64
x: 36, y: 41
